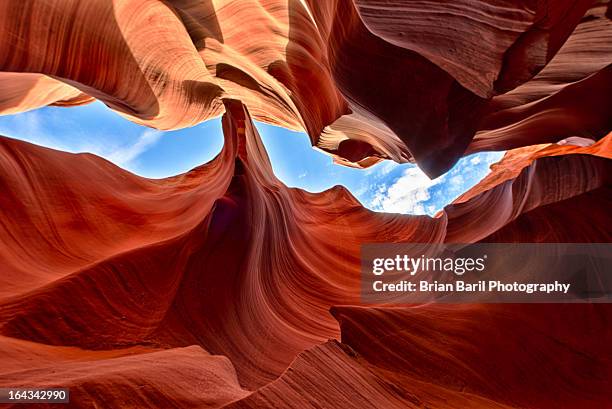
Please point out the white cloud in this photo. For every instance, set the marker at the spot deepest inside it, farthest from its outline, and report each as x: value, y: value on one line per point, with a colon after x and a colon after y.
x: 125, y: 155
x: 457, y: 181
x: 31, y: 127
x: 407, y: 194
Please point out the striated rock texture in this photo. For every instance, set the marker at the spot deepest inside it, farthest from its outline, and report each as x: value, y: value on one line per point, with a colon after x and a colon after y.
x: 367, y: 79
x: 215, y: 287
x: 223, y: 287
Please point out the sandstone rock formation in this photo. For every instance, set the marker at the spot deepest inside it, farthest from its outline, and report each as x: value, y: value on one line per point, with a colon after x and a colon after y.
x: 223, y: 287
x: 228, y: 259
x: 366, y: 79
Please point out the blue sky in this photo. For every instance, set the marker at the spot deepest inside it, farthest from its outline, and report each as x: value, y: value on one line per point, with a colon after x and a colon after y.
x: 387, y: 186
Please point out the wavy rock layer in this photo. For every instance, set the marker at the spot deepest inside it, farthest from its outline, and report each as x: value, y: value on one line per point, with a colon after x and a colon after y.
x: 468, y: 356
x: 367, y: 79
x: 204, y: 287
x: 214, y: 287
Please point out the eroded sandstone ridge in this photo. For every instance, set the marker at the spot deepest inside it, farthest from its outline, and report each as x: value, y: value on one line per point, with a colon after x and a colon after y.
x: 367, y: 79
x: 226, y: 275
x: 223, y: 287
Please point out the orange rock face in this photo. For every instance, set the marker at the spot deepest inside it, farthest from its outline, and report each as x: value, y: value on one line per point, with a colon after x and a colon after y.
x: 227, y: 258
x: 223, y: 287
x: 336, y: 69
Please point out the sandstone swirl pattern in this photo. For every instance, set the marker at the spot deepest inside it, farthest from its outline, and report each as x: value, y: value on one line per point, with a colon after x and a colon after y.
x: 225, y: 260
x: 223, y: 287
x: 366, y: 79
